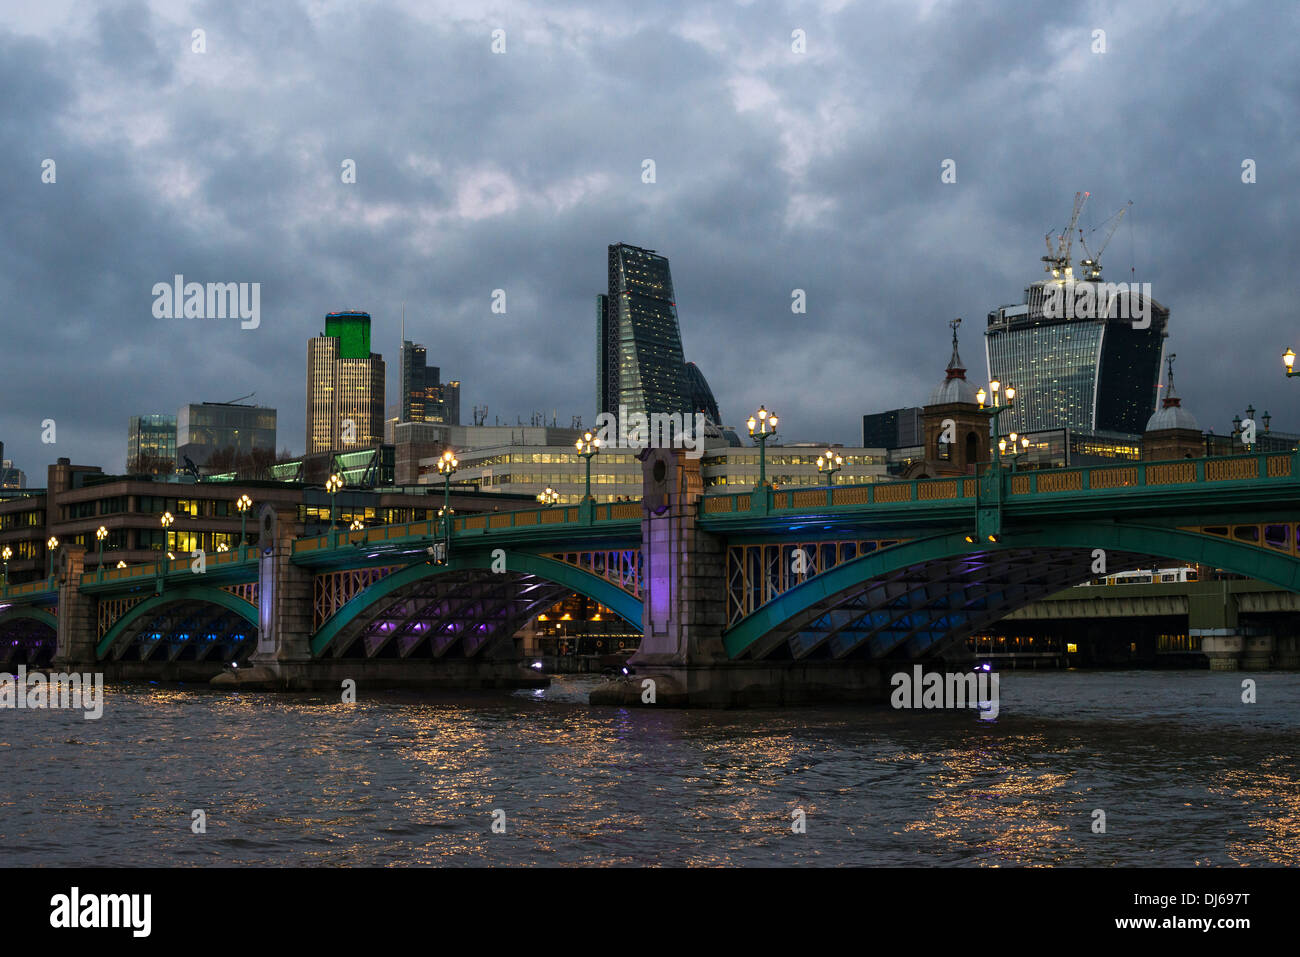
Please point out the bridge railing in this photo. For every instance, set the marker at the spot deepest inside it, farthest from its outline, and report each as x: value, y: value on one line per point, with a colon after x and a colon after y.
x: 564, y: 515
x: 1261, y: 467
x: 26, y: 589
x: 146, y: 570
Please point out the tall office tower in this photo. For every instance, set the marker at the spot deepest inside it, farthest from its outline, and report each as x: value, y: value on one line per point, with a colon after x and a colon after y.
x: 640, y: 363
x: 451, y: 402
x: 424, y: 397
x: 701, y: 395
x: 345, y: 386
x: 1086, y: 374
x: 151, y: 444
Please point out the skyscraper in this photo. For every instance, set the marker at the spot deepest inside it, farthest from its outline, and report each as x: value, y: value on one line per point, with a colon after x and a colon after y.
x: 345, y: 386
x: 424, y: 397
x: 701, y: 396
x: 1082, y: 373
x: 640, y: 362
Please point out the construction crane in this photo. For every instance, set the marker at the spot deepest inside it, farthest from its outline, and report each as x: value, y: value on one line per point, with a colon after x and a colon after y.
x: 1092, y: 265
x: 1057, y: 260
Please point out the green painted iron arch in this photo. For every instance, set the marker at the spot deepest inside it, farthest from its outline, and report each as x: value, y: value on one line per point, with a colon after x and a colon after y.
x: 584, y: 583
x: 214, y: 596
x: 1192, y: 547
x: 31, y: 614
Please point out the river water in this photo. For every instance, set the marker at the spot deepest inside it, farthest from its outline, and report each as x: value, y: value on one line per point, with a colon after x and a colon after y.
x: 1185, y: 772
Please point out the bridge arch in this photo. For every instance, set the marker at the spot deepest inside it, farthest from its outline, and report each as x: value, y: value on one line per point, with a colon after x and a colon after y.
x: 917, y: 597
x: 462, y: 605
x: 190, y: 622
x: 28, y: 635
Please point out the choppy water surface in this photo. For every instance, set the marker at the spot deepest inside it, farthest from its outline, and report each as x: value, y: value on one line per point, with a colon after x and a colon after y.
x: 1185, y: 772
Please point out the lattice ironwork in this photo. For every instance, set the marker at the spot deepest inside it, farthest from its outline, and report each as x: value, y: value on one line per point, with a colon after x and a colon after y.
x: 112, y: 609
x: 246, y: 591
x: 333, y: 590
x: 1275, y: 536
x: 620, y: 567
x: 758, y: 573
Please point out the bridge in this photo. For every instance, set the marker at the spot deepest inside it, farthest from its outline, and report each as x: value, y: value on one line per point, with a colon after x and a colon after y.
x: 761, y: 596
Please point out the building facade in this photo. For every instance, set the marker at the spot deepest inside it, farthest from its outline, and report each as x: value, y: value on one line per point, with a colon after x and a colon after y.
x: 151, y: 444
x: 1084, y: 373
x: 235, y: 431
x: 345, y: 386
x: 641, y: 367
x: 78, y: 499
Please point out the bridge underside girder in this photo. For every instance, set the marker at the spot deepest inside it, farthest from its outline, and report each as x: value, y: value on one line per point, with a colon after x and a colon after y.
x: 186, y: 630
x: 922, y: 609
x: 453, y: 614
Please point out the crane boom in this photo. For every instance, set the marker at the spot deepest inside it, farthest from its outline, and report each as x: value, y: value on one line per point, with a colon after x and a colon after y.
x: 1092, y: 264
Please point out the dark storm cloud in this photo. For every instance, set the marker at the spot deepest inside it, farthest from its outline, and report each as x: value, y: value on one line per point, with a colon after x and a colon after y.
x: 775, y: 171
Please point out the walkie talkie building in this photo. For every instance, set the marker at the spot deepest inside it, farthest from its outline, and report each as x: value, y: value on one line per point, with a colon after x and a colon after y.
x: 1085, y: 374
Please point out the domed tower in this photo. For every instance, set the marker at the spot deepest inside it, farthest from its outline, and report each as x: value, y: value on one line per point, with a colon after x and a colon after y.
x: 956, y: 429
x: 1172, y: 432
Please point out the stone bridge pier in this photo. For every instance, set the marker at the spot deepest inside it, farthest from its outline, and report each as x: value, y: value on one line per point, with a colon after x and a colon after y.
x: 681, y: 661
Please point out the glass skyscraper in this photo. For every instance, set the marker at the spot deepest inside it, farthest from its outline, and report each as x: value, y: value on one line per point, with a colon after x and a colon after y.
x: 345, y: 383
x: 640, y: 363
x: 1084, y: 374
x: 424, y: 397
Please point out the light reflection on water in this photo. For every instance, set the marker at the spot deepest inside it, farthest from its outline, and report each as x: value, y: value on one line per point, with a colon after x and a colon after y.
x: 1185, y: 773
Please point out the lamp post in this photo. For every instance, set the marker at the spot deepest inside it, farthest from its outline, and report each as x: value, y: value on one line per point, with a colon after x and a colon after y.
x: 222, y: 547
x: 447, y: 463
x: 762, y: 426
x: 101, y: 533
x: 50, y: 546
x: 166, y: 521
x: 1016, y: 453
x: 828, y: 463
x: 332, y: 485
x: 243, y: 503
x: 995, y: 406
x: 588, y: 447
x: 7, y: 554
x: 548, y: 497
x: 1288, y: 360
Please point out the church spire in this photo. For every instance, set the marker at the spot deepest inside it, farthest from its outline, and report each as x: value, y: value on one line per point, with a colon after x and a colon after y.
x: 956, y: 370
x: 1171, y: 401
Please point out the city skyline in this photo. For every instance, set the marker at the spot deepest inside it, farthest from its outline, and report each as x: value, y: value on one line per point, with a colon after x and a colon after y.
x: 744, y: 207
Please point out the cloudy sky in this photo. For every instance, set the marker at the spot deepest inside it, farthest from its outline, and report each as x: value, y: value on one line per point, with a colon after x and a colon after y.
x: 775, y: 170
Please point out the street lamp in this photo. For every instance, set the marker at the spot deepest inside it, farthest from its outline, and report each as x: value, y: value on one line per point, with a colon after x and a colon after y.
x: 332, y: 485
x: 243, y: 503
x: 223, y: 547
x: 1288, y: 360
x: 588, y: 447
x: 447, y: 463
x: 996, y: 406
x: 101, y: 533
x: 1016, y: 453
x: 7, y: 554
x: 51, y: 545
x: 828, y: 463
x: 121, y: 564
x: 167, y: 521
x: 548, y: 497
x: 761, y: 429
x: 357, y: 525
